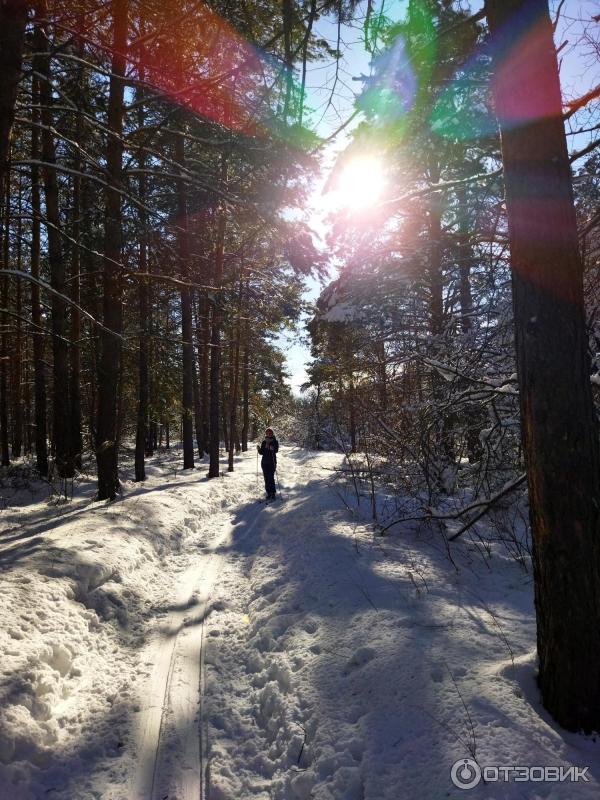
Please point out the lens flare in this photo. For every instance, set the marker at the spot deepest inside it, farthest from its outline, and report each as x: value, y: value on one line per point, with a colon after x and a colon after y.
x: 391, y: 94
x: 361, y: 183
x: 203, y: 64
x: 463, y: 110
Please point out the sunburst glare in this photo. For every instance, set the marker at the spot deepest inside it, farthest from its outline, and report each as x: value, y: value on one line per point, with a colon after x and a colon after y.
x: 361, y: 183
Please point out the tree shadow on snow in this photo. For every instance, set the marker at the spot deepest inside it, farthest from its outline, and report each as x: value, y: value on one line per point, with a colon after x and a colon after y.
x: 392, y: 642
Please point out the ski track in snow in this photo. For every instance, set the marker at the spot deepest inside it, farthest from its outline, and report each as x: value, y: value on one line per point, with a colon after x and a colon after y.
x: 187, y: 642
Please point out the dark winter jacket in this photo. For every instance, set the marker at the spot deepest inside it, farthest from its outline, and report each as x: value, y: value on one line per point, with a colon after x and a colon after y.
x: 268, y: 450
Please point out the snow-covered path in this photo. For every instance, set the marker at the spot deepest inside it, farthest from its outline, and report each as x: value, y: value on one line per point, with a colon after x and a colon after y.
x: 188, y: 642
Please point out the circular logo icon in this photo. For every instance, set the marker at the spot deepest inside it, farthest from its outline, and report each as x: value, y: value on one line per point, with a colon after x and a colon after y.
x: 465, y: 773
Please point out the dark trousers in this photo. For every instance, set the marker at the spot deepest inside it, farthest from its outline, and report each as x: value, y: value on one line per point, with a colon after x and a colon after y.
x: 269, y: 473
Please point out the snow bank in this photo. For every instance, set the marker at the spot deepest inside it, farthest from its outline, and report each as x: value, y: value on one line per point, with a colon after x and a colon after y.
x: 84, y: 586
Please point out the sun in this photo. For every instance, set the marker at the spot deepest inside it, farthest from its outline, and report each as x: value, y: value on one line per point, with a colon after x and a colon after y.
x: 353, y: 190
x: 361, y: 183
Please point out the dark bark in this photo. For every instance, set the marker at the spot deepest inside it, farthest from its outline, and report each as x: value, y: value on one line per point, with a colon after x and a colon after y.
x: 187, y: 399
x: 465, y: 255
x: 110, y: 355
x: 246, y: 386
x: 16, y: 393
x: 61, y: 425
x: 443, y: 450
x: 39, y: 369
x: 204, y: 331
x: 27, y: 408
x: 76, y: 439
x: 434, y: 267
x: 141, y: 435
x: 215, y: 339
x: 92, y: 300
x: 152, y: 430
x: 473, y: 416
x: 13, y: 17
x: 4, y: 448
x: 225, y: 426
x: 559, y: 428
x: 234, y: 383
x: 287, y: 9
x: 188, y: 378
x: 75, y: 281
x: 198, y: 417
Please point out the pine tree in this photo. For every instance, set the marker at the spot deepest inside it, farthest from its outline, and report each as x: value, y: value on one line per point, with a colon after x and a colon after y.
x: 559, y: 428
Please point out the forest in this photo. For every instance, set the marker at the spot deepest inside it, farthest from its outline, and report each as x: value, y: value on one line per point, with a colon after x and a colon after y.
x: 160, y: 253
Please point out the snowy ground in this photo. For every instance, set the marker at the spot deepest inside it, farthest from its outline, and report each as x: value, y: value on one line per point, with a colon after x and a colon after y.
x: 188, y: 642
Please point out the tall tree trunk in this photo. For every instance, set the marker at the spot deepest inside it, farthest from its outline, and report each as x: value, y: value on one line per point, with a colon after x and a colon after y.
x: 39, y: 369
x: 215, y: 339
x: 61, y: 425
x: 465, y: 255
x: 204, y: 331
x: 187, y: 399
x: 4, y: 449
x: 16, y: 393
x: 141, y: 436
x: 559, y: 427
x: 198, y: 417
x: 92, y: 300
x: 197, y: 408
x: 444, y: 457
x: 246, y: 385
x: 434, y: 267
x: 224, y: 422
x: 152, y: 430
x: 76, y: 440
x: 287, y: 9
x: 110, y: 355
x: 27, y: 418
x: 13, y: 18
x: 234, y: 382
x: 473, y: 418
x: 75, y: 281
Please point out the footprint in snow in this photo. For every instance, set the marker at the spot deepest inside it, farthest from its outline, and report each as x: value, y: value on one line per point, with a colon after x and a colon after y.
x: 361, y: 656
x: 437, y: 674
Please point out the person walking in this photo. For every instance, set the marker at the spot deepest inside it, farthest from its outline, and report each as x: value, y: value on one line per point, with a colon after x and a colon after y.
x: 268, y: 450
